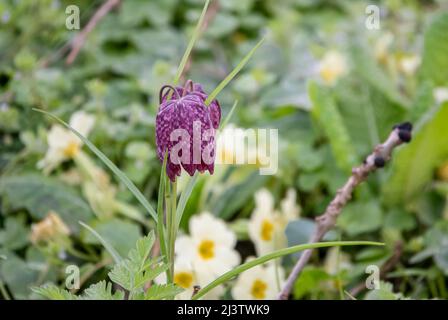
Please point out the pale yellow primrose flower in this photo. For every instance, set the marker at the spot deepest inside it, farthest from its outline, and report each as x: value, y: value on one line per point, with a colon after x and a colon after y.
x: 184, y: 277
x: 233, y: 147
x: 267, y: 225
x: 63, y: 144
x: 258, y: 283
x: 332, y: 66
x: 336, y: 261
x: 209, y: 248
x: 381, y: 49
x: 440, y: 94
x: 408, y: 64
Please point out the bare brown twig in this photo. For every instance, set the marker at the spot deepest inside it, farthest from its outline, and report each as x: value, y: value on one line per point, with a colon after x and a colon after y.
x: 381, y: 154
x: 79, y: 40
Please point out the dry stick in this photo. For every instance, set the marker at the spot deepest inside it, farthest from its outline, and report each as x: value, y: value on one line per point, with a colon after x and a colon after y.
x: 401, y: 133
x: 79, y: 40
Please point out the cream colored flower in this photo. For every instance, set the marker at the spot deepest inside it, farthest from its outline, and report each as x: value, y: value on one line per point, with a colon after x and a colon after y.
x: 408, y: 64
x: 289, y: 205
x: 259, y: 283
x: 63, y: 144
x: 381, y: 49
x: 336, y: 261
x: 236, y: 146
x: 50, y: 228
x: 209, y: 248
x: 440, y: 94
x: 184, y: 277
x: 332, y: 66
x: 267, y: 225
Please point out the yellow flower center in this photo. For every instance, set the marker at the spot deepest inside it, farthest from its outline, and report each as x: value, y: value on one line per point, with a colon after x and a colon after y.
x: 258, y: 290
x: 267, y: 230
x: 329, y: 75
x: 207, y: 249
x: 183, y: 279
x: 71, y: 150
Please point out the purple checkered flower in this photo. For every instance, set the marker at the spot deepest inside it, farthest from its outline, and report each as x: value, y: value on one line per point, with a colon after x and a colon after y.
x: 185, y: 129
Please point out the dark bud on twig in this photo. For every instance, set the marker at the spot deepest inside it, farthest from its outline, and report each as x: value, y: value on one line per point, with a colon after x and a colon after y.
x: 406, y: 126
x: 379, y: 162
x: 404, y: 135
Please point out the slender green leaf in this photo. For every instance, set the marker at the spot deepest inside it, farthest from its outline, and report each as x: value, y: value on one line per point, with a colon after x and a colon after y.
x: 276, y: 254
x: 121, y: 176
x: 232, y: 74
x: 184, y: 198
x: 115, y: 255
x: 190, y: 46
x: 229, y: 116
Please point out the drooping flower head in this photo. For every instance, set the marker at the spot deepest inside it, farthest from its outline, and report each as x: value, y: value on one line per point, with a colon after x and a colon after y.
x: 185, y: 129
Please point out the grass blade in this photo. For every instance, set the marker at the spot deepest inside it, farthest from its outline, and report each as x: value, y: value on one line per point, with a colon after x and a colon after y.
x: 191, y: 43
x: 229, y: 116
x: 121, y: 176
x: 232, y: 74
x: 184, y: 198
x: 276, y: 254
x: 160, y: 222
x: 115, y: 255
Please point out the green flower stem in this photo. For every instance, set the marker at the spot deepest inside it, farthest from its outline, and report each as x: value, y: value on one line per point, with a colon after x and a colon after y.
x: 168, y: 233
x: 172, y: 228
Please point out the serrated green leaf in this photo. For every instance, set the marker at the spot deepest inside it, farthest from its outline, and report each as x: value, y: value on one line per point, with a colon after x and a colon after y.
x: 329, y: 118
x: 137, y: 270
x: 102, y: 291
x: 53, y: 292
x: 162, y: 291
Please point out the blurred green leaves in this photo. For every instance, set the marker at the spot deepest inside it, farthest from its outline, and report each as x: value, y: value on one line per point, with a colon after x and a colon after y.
x: 330, y: 121
x: 40, y: 195
x: 435, y: 54
x: 413, y: 166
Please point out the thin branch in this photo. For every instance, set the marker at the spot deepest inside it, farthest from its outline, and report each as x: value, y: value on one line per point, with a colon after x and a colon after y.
x: 79, y: 40
x: 382, y: 153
